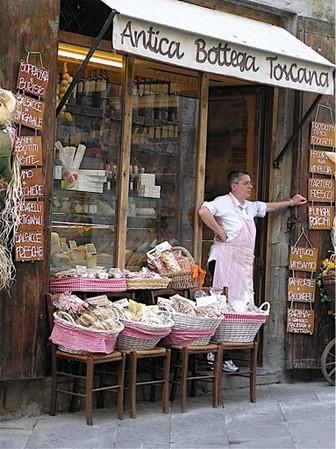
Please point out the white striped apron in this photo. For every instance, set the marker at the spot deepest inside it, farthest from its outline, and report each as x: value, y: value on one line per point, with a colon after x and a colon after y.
x: 234, y: 262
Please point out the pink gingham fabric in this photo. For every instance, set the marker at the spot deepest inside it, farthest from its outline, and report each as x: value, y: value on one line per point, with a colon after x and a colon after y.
x: 244, y: 318
x: 187, y: 337
x: 143, y: 334
x: 82, y: 339
x: 58, y: 285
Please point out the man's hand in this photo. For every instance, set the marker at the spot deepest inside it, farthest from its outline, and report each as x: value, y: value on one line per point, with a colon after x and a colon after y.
x: 298, y: 200
x: 221, y: 236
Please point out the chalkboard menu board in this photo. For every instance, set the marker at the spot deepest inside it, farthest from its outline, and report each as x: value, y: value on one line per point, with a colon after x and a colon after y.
x: 320, y: 217
x: 29, y: 246
x: 303, y: 259
x: 31, y: 216
x: 29, y: 150
x: 30, y: 112
x: 32, y: 79
x: 32, y: 182
x: 320, y: 163
x: 323, y: 134
x: 321, y: 190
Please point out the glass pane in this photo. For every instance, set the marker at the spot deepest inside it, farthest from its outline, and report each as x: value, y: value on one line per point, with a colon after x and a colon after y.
x: 85, y: 168
x: 163, y: 161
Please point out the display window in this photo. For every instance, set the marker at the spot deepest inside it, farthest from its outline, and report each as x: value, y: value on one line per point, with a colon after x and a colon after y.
x: 163, y: 159
x: 87, y: 151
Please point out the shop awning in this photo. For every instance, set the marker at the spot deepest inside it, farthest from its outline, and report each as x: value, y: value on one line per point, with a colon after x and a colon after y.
x: 186, y: 35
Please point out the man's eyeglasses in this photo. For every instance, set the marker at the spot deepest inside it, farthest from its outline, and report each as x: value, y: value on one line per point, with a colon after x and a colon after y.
x: 246, y: 183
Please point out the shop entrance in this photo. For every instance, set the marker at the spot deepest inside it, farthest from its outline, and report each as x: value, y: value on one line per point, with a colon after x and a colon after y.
x: 238, y: 124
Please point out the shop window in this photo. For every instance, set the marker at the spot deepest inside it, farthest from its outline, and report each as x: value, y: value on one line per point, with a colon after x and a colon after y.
x: 86, y: 162
x: 163, y: 160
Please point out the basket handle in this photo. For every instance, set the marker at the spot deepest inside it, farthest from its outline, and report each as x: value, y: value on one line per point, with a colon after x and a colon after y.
x: 185, y: 252
x: 268, y: 306
x: 165, y: 305
x: 66, y: 316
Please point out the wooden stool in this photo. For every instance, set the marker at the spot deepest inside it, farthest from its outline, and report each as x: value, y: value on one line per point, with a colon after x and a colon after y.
x: 136, y: 355
x: 184, y: 353
x: 252, y: 347
x: 89, y: 361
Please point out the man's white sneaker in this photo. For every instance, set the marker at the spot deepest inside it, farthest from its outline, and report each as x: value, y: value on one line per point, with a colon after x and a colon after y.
x: 211, y: 358
x: 229, y: 366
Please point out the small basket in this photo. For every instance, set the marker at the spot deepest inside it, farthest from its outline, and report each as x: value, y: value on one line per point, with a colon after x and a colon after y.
x: 58, y: 285
x: 74, y: 338
x: 137, y: 336
x: 147, y: 283
x: 241, y: 327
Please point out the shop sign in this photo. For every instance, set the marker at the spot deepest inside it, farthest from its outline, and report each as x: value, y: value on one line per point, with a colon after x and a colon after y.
x: 29, y: 150
x: 32, y: 182
x: 301, y: 289
x: 31, y: 216
x: 321, y: 190
x: 29, y: 246
x: 32, y: 79
x: 211, y: 55
x: 323, y: 134
x: 30, y: 112
x: 320, y: 163
x: 300, y: 321
x: 303, y: 259
x: 320, y: 217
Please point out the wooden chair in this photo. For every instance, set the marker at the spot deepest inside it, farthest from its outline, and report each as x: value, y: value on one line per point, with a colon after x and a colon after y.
x: 251, y: 372
x: 133, y: 382
x: 183, y: 371
x: 90, y: 362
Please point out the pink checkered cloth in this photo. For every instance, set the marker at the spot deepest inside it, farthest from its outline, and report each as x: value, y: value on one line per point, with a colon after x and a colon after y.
x: 244, y: 318
x: 58, y: 285
x: 187, y: 337
x: 144, y: 334
x: 82, y: 339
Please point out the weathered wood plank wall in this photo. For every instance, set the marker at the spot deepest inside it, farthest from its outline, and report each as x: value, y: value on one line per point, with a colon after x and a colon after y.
x: 28, y: 25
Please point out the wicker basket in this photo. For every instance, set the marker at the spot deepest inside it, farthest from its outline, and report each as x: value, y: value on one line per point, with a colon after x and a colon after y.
x: 147, y: 283
x: 190, y: 329
x: 74, y: 338
x: 183, y: 279
x: 240, y: 327
x: 138, y: 336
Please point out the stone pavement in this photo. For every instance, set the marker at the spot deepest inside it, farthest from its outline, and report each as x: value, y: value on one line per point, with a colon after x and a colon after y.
x: 286, y: 416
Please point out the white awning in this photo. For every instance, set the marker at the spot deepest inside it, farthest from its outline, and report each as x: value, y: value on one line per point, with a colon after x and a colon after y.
x: 186, y: 35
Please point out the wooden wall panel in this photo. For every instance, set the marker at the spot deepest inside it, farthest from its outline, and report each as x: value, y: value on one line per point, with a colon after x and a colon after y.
x: 304, y: 351
x: 28, y: 25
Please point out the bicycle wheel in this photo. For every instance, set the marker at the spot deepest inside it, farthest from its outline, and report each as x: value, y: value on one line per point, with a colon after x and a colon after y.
x: 328, y: 363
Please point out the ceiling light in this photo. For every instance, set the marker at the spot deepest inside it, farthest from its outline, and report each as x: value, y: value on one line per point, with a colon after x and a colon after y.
x: 79, y: 53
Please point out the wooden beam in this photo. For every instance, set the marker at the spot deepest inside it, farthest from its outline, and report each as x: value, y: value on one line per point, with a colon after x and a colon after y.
x: 124, y: 163
x: 200, y: 162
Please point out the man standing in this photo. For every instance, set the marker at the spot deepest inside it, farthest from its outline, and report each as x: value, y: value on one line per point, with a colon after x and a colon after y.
x: 231, y: 218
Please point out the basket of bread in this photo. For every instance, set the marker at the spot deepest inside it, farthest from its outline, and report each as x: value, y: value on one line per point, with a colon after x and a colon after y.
x: 85, y: 326
x: 143, y: 326
x: 176, y: 263
x: 194, y: 324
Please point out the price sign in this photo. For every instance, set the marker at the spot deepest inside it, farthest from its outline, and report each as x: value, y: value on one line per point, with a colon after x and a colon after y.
x: 300, y: 321
x: 32, y: 182
x: 323, y: 134
x: 32, y: 79
x: 320, y: 163
x: 303, y: 259
x: 321, y: 190
x: 31, y: 216
x: 29, y: 112
x: 29, y: 246
x: 320, y: 217
x: 29, y: 150
x: 301, y: 290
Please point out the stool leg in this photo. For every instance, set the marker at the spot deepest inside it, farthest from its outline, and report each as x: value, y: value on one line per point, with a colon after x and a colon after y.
x: 132, y: 387
x: 220, y: 376
x: 253, y: 372
x: 165, y: 383
x: 175, y: 358
x: 216, y: 384
x: 88, y: 390
x: 53, y: 393
x: 184, y: 378
x: 120, y: 392
x: 153, y: 377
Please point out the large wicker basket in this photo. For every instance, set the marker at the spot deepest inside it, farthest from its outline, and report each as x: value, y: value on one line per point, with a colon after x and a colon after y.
x: 241, y: 327
x: 138, y: 336
x: 72, y: 337
x: 147, y: 283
